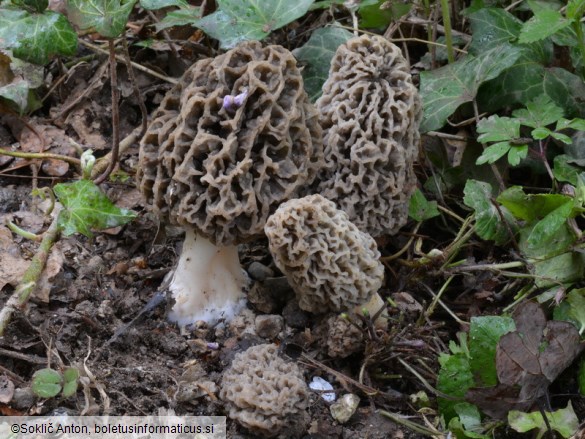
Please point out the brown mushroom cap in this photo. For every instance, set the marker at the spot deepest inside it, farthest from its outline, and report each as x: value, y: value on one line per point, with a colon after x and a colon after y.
x: 223, y: 169
x: 370, y: 112
x: 265, y: 393
x: 329, y: 262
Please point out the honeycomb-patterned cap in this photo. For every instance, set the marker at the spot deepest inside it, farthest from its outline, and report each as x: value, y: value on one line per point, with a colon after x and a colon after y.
x: 328, y: 261
x: 232, y: 140
x: 266, y: 394
x: 370, y: 112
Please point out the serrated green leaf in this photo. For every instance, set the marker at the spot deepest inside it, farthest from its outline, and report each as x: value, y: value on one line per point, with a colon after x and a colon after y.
x: 46, y: 383
x: 180, y: 17
x: 470, y: 418
x: 545, y: 23
x: 241, y: 20
x: 496, y: 128
x: 86, y: 207
x: 575, y: 9
x: 371, y: 16
x: 484, y: 334
x: 516, y: 154
x: 492, y: 27
x: 563, y: 170
x: 488, y: 223
x: 454, y: 379
x: 576, y: 124
x: 444, y: 90
x: 420, y: 209
x: 564, y: 421
x: 106, y: 17
x: 493, y: 153
x: 316, y: 54
x: 532, y: 207
x: 36, y: 38
x: 562, y: 138
x: 539, y: 112
x: 159, y: 4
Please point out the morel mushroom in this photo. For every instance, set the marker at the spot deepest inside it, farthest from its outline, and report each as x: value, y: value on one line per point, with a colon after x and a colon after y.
x: 328, y: 261
x: 229, y: 143
x: 266, y: 394
x: 370, y: 112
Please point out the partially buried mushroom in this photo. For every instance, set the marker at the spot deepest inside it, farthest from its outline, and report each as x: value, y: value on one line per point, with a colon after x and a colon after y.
x: 370, y: 112
x: 329, y: 262
x: 232, y: 140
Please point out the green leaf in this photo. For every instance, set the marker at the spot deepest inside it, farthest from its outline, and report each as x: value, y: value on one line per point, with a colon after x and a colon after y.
x: 454, y: 379
x: 540, y: 133
x: 516, y: 154
x: 316, y: 54
x: 36, y: 38
x: 488, y: 223
x: 372, y: 16
x: 85, y: 207
x: 576, y: 124
x: 159, y: 4
x: 545, y: 23
x: 106, y: 17
x: 240, y: 20
x: 420, y: 209
x: 563, y: 170
x: 493, y: 153
x: 576, y: 311
x: 492, y: 27
x: 546, y: 228
x: 496, y: 128
x: 20, y: 79
x: 539, y: 112
x: 484, y: 334
x: 46, y: 383
x: 32, y: 5
x: 181, y: 17
x: 71, y: 379
x: 575, y: 9
x: 564, y: 421
x: 562, y: 138
x: 530, y: 207
x: 444, y: 90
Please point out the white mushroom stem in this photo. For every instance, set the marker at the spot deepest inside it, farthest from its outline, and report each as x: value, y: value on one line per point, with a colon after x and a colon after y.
x: 208, y: 283
x: 372, y: 307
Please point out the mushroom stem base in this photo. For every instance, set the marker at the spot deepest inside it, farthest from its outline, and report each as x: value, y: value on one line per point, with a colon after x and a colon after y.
x: 208, y: 283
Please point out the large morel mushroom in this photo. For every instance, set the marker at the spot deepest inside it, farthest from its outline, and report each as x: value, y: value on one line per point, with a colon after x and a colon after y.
x: 231, y: 141
x: 370, y: 112
x: 266, y: 394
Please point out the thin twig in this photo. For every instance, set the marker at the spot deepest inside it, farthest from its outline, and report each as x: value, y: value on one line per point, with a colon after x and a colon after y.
x: 42, y: 156
x: 135, y: 89
x: 115, y: 116
x: 135, y: 65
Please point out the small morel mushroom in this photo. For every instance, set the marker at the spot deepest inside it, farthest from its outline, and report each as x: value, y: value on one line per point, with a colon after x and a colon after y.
x: 370, y: 112
x: 232, y: 140
x: 266, y: 394
x: 328, y: 261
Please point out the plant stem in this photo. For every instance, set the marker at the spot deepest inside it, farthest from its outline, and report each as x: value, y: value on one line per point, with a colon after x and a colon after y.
x: 42, y: 156
x: 581, y: 41
x: 115, y: 115
x: 31, y: 276
x: 447, y: 24
x: 27, y: 235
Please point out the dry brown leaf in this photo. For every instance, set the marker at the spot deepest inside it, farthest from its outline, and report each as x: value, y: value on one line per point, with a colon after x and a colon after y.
x: 12, y: 264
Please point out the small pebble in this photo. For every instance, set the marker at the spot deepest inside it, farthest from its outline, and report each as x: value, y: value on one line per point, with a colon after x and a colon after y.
x: 259, y: 272
x: 343, y: 409
x: 269, y: 326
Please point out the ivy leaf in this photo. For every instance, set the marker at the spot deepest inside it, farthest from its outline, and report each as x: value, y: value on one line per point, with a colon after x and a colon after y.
x: 159, y: 4
x: 484, y: 334
x: 539, y: 113
x: 180, y: 17
x: 488, y: 223
x: 443, y: 90
x: 545, y: 23
x: 420, y: 209
x: 85, y: 207
x: 106, y: 17
x: 373, y: 16
x: 19, y: 78
x: 492, y: 27
x: 36, y: 38
x: 317, y: 54
x: 240, y: 20
x: 32, y: 5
